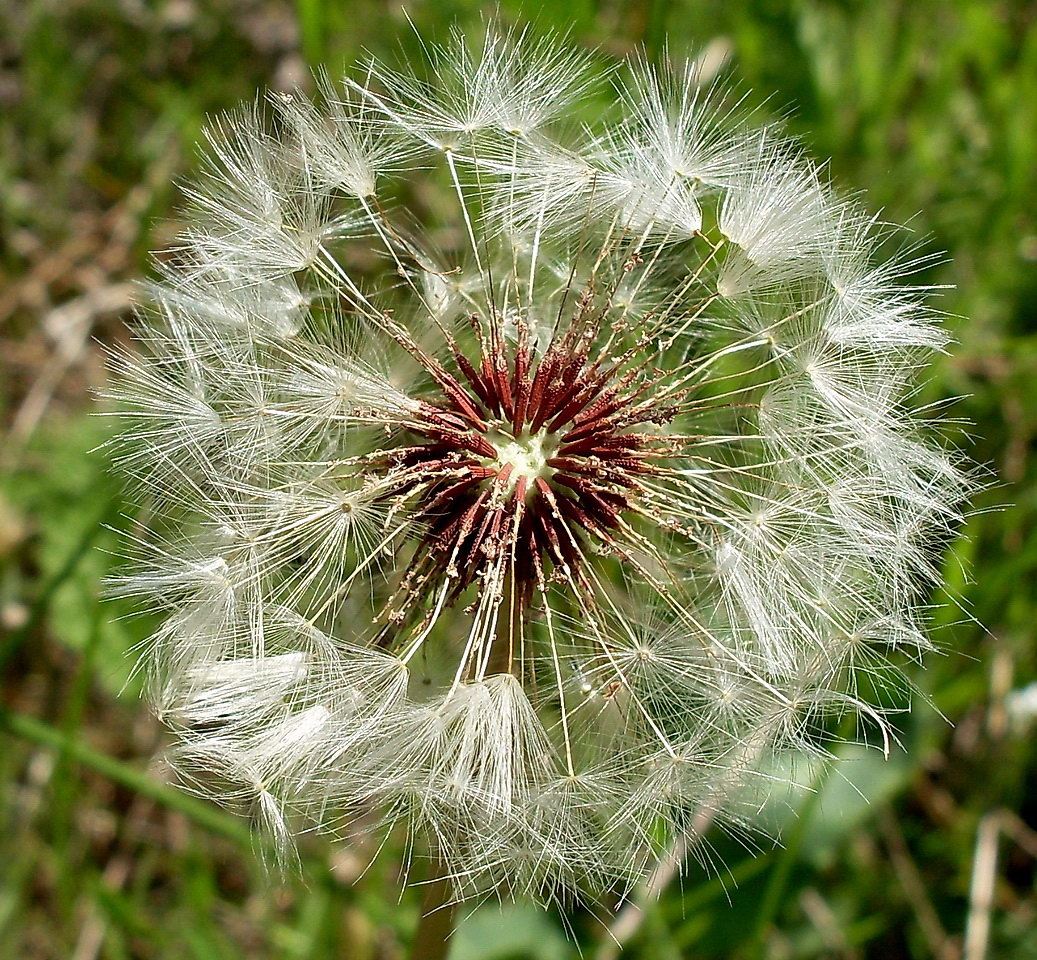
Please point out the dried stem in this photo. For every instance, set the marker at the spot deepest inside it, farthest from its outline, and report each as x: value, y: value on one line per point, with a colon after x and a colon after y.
x: 630, y: 918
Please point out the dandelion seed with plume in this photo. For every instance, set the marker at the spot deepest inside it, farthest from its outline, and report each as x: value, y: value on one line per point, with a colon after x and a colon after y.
x: 529, y: 487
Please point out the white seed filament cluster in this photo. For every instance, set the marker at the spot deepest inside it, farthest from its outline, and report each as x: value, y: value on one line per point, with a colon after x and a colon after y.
x: 530, y: 484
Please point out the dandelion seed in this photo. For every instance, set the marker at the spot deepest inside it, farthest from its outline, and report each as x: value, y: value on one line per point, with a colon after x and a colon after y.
x: 544, y: 537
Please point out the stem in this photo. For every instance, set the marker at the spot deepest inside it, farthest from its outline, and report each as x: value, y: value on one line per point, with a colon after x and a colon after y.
x: 505, y: 643
x: 630, y: 918
x: 432, y: 940
x: 204, y: 814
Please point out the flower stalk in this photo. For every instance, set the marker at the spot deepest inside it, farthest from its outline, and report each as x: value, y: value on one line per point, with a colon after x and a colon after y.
x: 436, y: 924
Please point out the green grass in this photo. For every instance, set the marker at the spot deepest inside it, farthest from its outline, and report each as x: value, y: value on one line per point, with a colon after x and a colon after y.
x: 929, y: 106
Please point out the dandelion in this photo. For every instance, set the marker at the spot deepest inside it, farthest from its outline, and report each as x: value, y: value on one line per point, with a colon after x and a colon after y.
x: 526, y: 485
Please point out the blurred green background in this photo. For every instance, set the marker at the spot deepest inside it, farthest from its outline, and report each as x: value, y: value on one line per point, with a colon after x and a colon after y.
x: 930, y: 106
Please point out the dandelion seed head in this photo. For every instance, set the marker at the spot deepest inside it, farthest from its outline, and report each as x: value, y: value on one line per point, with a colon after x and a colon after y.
x: 542, y: 521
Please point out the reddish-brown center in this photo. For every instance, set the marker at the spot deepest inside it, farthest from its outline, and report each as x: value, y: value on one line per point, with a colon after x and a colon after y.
x: 528, y: 459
